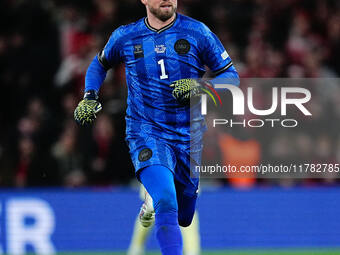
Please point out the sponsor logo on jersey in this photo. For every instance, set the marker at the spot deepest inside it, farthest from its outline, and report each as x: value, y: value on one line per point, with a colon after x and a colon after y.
x: 138, y: 51
x: 182, y: 46
x: 160, y: 48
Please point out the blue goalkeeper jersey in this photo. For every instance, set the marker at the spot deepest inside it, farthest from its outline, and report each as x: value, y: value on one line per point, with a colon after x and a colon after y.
x: 153, y: 60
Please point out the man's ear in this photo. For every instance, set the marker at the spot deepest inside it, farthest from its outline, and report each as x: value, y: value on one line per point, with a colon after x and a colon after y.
x: 143, y: 1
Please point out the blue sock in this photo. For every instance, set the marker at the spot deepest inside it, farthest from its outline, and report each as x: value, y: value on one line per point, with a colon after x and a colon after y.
x: 159, y: 182
x: 168, y: 233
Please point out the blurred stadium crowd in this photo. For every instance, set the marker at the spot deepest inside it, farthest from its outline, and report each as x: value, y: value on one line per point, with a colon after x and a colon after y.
x: 46, y: 47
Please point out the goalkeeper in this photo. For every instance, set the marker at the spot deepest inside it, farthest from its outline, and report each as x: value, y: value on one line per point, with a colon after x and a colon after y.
x: 162, y: 49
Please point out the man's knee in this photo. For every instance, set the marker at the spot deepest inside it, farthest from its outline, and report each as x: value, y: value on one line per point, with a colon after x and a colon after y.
x: 186, y: 209
x: 166, y: 201
x: 185, y: 220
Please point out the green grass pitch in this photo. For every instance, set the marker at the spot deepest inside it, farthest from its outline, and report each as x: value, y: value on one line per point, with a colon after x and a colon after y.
x: 246, y: 252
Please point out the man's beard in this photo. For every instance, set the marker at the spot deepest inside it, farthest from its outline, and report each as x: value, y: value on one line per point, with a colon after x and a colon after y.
x: 163, y: 16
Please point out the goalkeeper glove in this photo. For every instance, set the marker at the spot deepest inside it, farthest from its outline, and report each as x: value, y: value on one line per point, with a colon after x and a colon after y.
x: 186, y: 89
x: 86, y: 111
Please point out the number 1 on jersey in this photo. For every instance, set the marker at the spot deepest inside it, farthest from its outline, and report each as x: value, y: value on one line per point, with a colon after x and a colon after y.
x: 163, y: 74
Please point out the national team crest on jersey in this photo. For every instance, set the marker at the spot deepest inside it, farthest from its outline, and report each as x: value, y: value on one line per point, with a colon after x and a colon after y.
x: 182, y: 46
x: 138, y: 51
x: 160, y: 48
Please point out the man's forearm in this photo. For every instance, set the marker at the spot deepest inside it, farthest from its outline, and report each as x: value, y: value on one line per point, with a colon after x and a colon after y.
x: 95, y: 75
x: 230, y: 76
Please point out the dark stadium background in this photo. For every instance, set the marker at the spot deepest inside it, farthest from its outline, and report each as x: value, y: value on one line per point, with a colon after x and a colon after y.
x: 45, y: 48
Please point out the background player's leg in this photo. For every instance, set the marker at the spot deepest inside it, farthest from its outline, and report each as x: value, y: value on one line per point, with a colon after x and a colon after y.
x: 159, y: 182
x: 139, y: 236
x: 191, y: 237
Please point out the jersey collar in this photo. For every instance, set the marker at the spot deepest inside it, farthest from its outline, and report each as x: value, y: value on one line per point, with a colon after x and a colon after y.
x: 161, y: 29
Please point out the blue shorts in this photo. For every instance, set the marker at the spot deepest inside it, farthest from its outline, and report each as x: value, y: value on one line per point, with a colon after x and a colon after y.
x: 180, y: 158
